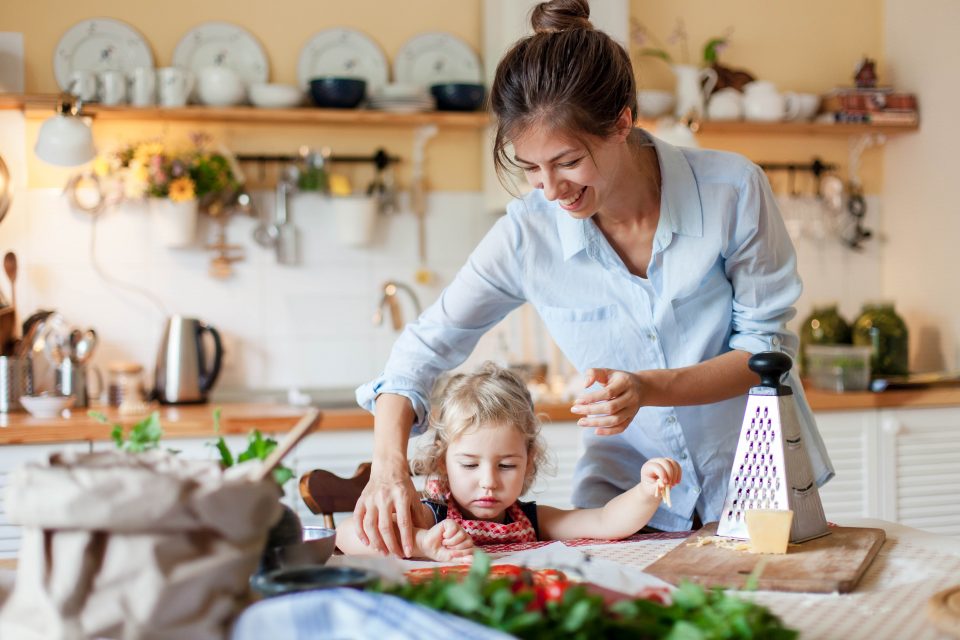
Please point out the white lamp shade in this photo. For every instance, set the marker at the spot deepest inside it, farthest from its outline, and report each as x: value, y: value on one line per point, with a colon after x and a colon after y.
x: 65, y: 140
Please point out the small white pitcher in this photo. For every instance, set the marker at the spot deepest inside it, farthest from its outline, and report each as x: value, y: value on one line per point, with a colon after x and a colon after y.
x: 693, y: 84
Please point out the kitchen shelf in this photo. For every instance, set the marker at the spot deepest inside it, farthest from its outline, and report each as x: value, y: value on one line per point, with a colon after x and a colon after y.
x: 43, y: 106
x: 743, y: 128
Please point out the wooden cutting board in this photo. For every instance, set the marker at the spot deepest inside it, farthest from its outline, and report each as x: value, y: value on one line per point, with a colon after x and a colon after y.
x: 832, y: 563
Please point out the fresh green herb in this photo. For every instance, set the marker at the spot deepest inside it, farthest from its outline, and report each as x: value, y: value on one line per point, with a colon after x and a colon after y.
x: 520, y: 607
x: 258, y: 448
x: 143, y: 436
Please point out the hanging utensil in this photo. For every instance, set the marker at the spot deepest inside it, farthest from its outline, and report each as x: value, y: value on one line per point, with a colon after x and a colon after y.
x: 84, y: 345
x: 5, y: 197
x: 418, y: 198
x: 10, y: 267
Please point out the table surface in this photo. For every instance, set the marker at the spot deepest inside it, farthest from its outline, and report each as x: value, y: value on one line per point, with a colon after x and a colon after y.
x: 890, y: 601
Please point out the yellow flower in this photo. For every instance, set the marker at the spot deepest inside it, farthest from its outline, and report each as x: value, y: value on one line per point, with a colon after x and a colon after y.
x: 147, y: 150
x: 181, y: 189
x: 101, y: 167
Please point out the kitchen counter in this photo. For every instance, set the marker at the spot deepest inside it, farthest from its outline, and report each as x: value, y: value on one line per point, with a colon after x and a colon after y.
x: 188, y: 421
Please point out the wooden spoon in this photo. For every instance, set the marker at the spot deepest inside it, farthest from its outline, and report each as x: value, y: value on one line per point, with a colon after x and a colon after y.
x: 306, y: 424
x: 10, y: 267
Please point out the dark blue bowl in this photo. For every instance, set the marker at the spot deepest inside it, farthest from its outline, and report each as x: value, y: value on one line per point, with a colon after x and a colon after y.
x: 458, y: 96
x: 338, y: 93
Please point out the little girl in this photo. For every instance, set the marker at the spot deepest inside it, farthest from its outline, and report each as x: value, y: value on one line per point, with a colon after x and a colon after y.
x: 484, y: 453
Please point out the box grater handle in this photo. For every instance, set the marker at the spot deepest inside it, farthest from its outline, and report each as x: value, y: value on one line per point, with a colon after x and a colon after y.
x: 770, y: 366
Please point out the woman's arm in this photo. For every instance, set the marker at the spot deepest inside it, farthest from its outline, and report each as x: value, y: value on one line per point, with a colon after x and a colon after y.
x: 611, y: 408
x: 621, y: 517
x: 389, y: 507
x: 443, y: 541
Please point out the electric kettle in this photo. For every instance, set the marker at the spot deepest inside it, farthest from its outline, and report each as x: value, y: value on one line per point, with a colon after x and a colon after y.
x: 182, y: 374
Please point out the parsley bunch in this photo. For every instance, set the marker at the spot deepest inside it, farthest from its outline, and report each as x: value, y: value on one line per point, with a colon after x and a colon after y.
x: 514, y: 606
x: 258, y: 448
x: 143, y: 436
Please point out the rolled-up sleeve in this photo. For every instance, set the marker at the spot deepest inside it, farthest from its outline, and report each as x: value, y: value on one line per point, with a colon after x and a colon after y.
x: 760, y: 262
x: 483, y: 292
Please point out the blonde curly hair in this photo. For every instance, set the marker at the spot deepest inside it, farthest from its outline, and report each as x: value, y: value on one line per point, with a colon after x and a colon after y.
x: 491, y: 395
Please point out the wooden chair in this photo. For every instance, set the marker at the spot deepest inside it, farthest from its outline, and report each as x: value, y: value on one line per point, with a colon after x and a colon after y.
x: 327, y: 493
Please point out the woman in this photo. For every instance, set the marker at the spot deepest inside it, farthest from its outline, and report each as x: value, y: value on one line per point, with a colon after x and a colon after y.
x: 657, y: 270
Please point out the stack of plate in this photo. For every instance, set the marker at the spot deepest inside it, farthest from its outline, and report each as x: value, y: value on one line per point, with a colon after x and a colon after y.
x: 401, y: 98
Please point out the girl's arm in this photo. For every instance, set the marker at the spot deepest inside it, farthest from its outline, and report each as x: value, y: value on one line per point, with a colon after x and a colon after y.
x: 621, y: 517
x: 445, y: 541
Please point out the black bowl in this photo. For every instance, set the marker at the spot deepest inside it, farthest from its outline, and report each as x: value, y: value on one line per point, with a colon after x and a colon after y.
x: 309, y: 578
x: 338, y: 93
x: 458, y: 96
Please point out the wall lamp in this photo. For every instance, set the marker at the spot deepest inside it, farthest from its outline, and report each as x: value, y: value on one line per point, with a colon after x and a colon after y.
x: 65, y: 139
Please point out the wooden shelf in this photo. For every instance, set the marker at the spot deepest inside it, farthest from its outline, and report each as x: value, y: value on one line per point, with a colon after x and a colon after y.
x: 42, y: 106
x: 743, y: 128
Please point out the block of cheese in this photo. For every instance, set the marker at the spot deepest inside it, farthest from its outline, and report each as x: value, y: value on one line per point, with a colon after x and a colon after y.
x: 769, y: 530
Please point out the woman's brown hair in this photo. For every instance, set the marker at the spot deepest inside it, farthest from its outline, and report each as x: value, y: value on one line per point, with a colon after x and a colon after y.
x: 567, y: 74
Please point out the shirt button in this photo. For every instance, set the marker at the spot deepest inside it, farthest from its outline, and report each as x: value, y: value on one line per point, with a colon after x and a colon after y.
x: 683, y: 456
x: 652, y: 336
x: 671, y: 420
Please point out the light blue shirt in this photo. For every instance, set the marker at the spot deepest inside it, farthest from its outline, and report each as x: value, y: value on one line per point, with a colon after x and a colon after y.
x: 722, y: 276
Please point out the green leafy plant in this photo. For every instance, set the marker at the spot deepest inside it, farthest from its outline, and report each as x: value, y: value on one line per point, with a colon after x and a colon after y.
x: 649, y: 45
x: 258, y: 448
x: 516, y: 605
x: 142, y: 436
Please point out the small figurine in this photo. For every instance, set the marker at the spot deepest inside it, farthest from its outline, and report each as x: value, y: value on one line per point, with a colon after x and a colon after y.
x: 865, y: 75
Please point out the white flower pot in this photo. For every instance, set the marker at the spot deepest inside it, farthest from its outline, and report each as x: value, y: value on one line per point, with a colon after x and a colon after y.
x: 174, y: 223
x: 356, y: 219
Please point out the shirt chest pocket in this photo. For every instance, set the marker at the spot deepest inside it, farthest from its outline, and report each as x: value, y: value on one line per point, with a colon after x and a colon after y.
x: 589, y: 337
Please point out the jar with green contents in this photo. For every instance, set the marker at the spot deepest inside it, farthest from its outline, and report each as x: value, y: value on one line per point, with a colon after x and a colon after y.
x: 880, y: 328
x: 824, y: 325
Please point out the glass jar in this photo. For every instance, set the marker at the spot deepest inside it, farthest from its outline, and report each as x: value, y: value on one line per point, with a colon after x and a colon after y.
x: 824, y: 325
x: 880, y: 328
x: 124, y: 383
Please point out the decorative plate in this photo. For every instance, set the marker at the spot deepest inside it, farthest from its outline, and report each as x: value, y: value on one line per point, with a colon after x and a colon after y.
x: 344, y: 53
x: 99, y: 44
x: 435, y: 58
x: 221, y: 44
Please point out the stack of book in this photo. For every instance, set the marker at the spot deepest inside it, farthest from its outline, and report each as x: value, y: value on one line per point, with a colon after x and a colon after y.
x: 874, y: 105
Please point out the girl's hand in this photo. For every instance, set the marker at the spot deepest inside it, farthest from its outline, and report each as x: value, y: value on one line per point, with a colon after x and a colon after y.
x: 612, y: 408
x: 446, y: 541
x: 657, y: 475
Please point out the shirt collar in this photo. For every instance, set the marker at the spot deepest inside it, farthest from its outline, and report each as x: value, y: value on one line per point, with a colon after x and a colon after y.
x: 680, y: 208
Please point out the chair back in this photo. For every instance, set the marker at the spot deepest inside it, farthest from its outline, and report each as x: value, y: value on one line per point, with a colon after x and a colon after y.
x: 326, y: 493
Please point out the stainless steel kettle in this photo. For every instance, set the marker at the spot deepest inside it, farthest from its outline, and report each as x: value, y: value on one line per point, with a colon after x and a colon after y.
x: 182, y: 374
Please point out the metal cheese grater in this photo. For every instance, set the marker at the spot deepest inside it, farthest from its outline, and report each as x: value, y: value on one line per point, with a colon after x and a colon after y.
x: 771, y: 469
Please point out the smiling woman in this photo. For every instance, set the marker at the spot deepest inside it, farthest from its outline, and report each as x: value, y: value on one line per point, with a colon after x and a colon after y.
x: 657, y: 269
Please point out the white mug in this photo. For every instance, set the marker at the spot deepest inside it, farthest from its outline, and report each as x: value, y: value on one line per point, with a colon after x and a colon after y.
x: 112, y: 87
x: 803, y: 106
x: 175, y: 85
x: 143, y: 87
x: 83, y: 84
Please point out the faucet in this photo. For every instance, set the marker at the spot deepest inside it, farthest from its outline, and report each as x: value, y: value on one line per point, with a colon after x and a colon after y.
x: 389, y: 299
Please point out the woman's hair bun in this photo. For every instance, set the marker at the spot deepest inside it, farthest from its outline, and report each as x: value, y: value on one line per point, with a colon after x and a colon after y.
x: 560, y: 15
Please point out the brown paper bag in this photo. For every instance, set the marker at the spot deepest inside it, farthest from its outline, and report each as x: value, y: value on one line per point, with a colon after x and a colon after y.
x: 133, y: 546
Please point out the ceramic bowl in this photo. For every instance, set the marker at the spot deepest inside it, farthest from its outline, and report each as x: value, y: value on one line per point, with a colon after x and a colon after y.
x: 338, y: 93
x: 281, y: 581
x: 275, y: 96
x: 46, y: 406
x: 458, y: 96
x: 220, y: 87
x: 317, y: 547
x: 652, y: 103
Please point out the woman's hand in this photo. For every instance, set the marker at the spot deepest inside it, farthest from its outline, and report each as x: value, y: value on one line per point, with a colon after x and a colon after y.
x: 657, y: 475
x: 446, y: 541
x: 387, y: 510
x: 611, y: 408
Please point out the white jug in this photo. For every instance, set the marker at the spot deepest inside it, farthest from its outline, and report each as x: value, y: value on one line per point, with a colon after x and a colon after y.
x: 762, y: 102
x: 691, y: 89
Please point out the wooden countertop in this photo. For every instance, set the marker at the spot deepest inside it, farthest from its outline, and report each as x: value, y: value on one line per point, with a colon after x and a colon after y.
x: 196, y: 421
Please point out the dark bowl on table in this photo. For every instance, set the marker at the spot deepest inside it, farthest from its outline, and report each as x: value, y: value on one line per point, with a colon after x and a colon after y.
x: 458, y: 96
x: 338, y: 93
x: 293, y: 580
x: 314, y: 550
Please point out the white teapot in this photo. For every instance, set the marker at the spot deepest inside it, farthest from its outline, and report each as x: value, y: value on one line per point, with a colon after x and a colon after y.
x: 725, y: 104
x: 762, y: 102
